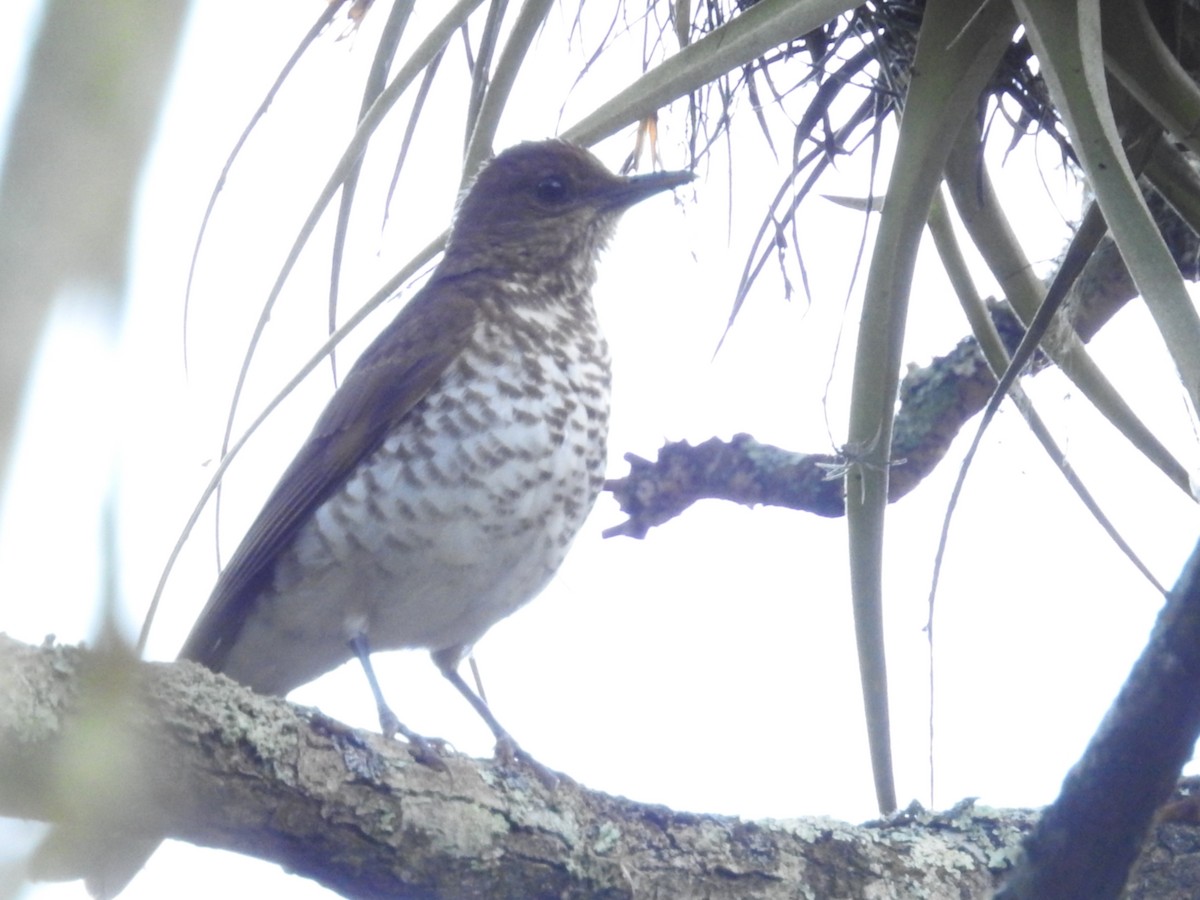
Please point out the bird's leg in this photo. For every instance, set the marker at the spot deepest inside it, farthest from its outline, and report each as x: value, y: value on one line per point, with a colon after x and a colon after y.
x: 422, y: 750
x: 507, y: 749
x: 478, y: 681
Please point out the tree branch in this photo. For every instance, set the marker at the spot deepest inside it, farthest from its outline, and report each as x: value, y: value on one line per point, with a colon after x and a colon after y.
x: 212, y: 763
x: 1090, y: 836
x: 197, y: 757
x: 936, y: 401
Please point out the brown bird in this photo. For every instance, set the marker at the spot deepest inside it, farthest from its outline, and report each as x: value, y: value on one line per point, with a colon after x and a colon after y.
x: 447, y: 477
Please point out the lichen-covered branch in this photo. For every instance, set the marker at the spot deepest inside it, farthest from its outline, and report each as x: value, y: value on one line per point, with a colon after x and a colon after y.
x: 207, y: 761
x: 211, y: 763
x: 936, y: 401
x: 742, y: 470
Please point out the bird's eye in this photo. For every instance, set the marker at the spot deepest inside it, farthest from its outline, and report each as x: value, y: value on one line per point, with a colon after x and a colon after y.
x: 552, y: 190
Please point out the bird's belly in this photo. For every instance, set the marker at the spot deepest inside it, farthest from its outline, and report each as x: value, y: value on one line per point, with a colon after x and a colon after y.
x: 454, y: 523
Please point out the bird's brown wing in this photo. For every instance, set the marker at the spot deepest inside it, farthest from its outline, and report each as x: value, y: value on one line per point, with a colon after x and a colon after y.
x: 388, y: 380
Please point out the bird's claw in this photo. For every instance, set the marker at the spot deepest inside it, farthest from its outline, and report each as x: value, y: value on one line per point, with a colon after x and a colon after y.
x: 427, y: 752
x: 424, y: 750
x: 509, y: 752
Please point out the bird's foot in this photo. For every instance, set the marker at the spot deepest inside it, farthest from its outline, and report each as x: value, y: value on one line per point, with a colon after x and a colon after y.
x: 424, y: 750
x: 509, y: 752
x: 389, y: 725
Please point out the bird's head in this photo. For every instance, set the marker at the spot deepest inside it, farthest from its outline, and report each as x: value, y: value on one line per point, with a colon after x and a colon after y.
x: 546, y: 203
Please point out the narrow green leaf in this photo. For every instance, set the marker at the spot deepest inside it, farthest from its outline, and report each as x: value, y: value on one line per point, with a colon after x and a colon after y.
x: 528, y: 22
x: 743, y: 38
x: 957, y: 52
x: 1136, y: 54
x: 1066, y: 39
x: 982, y: 214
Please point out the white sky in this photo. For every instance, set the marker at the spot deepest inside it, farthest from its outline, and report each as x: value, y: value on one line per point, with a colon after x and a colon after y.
x: 710, y: 667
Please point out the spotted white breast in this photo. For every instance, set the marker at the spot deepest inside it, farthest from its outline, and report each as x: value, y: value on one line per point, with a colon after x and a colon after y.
x: 460, y: 517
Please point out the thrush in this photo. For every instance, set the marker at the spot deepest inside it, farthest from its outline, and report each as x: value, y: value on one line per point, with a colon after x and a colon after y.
x: 444, y: 482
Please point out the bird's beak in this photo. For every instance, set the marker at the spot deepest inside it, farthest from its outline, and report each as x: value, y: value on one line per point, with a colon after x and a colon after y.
x: 631, y: 189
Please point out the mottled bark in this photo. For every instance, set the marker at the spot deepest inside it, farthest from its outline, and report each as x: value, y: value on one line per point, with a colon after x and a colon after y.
x: 199, y: 758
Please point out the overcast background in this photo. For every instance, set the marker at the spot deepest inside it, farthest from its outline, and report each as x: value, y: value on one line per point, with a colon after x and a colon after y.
x: 710, y: 667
